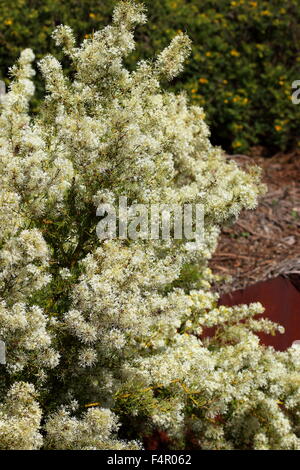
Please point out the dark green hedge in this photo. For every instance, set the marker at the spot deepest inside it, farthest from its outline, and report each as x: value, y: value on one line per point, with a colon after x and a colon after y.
x: 245, y: 56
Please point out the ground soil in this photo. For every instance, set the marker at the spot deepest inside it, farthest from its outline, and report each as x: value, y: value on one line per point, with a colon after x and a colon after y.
x: 265, y: 242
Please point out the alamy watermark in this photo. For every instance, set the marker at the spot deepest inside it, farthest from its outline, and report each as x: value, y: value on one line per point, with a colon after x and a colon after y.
x: 152, y: 222
x: 2, y: 89
x: 2, y: 352
x: 296, y: 94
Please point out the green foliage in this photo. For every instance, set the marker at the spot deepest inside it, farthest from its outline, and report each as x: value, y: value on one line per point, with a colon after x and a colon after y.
x: 244, y: 60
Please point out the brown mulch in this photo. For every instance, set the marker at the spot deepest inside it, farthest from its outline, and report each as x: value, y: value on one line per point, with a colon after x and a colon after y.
x: 265, y: 242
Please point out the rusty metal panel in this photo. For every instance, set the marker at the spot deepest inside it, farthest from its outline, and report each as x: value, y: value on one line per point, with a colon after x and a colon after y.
x: 281, y: 300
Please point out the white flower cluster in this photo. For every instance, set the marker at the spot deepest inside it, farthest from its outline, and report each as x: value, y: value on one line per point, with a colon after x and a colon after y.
x: 20, y: 418
x: 95, y: 431
x: 117, y: 324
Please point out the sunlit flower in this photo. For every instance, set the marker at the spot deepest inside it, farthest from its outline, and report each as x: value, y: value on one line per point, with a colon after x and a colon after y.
x: 234, y: 53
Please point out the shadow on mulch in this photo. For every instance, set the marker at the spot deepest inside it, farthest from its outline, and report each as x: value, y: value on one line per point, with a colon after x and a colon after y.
x: 264, y: 243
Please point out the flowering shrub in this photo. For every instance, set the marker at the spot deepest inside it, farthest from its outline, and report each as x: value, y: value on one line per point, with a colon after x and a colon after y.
x: 244, y: 57
x: 103, y: 338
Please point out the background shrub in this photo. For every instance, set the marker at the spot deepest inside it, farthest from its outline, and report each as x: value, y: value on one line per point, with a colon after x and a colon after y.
x: 244, y: 60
